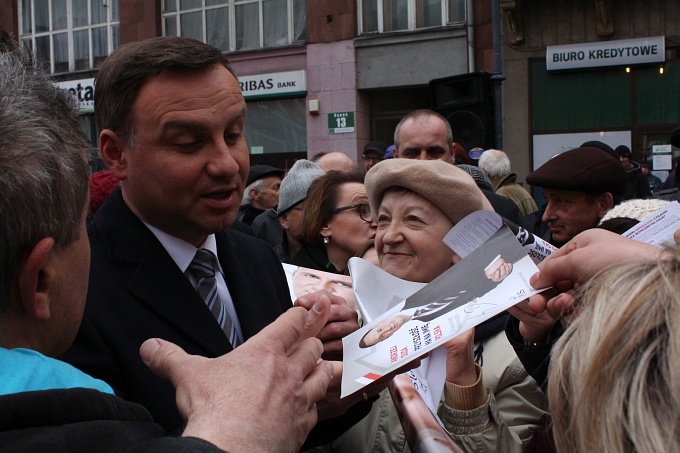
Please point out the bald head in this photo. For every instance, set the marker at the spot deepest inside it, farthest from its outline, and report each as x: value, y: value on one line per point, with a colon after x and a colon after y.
x: 424, y: 135
x: 337, y: 161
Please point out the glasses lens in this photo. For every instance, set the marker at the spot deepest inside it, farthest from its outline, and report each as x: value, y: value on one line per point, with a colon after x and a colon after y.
x: 365, y: 212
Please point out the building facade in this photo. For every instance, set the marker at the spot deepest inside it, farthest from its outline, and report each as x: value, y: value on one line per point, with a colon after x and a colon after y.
x: 318, y: 76
x: 323, y: 76
x: 576, y: 71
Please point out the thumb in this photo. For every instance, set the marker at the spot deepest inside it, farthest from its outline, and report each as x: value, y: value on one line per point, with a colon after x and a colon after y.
x: 163, y: 358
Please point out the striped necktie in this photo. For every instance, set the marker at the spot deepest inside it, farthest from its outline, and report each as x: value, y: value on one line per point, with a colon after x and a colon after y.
x: 203, y: 269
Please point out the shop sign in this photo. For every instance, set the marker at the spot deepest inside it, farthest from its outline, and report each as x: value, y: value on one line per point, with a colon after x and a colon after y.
x: 83, y: 90
x: 610, y: 53
x: 662, y: 157
x: 340, y: 122
x: 276, y: 84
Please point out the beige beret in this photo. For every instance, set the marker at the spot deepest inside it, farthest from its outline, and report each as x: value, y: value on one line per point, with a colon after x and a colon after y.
x: 449, y: 188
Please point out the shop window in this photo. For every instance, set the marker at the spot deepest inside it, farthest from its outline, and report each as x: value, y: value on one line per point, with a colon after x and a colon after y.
x: 657, y: 94
x: 276, y: 126
x: 398, y: 15
x: 69, y: 35
x: 579, y: 100
x: 232, y: 25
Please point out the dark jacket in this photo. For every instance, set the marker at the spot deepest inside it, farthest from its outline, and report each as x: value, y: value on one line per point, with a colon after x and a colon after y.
x: 313, y: 257
x: 637, y: 186
x: 247, y: 213
x: 267, y: 227
x: 83, y: 420
x: 136, y: 292
x: 503, y: 206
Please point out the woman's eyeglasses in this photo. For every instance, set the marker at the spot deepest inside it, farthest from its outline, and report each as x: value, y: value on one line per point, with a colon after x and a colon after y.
x: 362, y: 209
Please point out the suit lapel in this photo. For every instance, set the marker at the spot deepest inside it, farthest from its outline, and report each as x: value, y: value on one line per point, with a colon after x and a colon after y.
x: 156, y: 281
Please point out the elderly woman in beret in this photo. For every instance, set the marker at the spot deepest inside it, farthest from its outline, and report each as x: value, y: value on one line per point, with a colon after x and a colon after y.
x: 490, y: 403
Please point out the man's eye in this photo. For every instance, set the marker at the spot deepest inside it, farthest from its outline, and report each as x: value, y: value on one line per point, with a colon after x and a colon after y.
x: 232, y: 138
x: 188, y: 146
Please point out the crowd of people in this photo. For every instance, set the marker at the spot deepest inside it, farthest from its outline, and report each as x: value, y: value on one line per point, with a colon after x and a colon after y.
x: 145, y: 308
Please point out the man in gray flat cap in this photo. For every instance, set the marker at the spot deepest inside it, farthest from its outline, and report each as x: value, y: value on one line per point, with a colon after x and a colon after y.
x: 580, y: 186
x: 292, y: 205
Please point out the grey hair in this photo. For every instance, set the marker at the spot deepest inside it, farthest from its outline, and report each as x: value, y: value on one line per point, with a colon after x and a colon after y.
x: 495, y: 163
x: 420, y: 115
x: 43, y: 166
x: 257, y: 185
x: 614, y: 375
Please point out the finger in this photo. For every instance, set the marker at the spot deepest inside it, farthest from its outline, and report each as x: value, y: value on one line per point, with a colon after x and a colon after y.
x: 318, y: 316
x: 560, y: 305
x: 288, y: 329
x: 305, y: 355
x: 316, y: 383
x: 165, y: 359
x: 343, y: 313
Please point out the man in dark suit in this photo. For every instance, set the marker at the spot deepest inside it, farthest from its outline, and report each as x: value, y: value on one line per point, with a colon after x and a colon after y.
x: 164, y: 263
x: 46, y: 404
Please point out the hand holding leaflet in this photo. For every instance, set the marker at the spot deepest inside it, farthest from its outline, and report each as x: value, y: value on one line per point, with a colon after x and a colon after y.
x: 459, y: 299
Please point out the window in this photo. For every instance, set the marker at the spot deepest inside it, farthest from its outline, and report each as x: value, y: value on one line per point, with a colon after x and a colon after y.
x: 236, y: 24
x: 378, y: 16
x: 277, y: 126
x: 69, y: 35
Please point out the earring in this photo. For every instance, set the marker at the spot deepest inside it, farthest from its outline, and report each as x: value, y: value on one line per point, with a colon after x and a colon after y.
x: 326, y: 240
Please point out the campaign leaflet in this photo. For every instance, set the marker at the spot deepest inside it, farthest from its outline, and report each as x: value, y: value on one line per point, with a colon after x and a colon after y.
x: 302, y: 280
x: 487, y: 281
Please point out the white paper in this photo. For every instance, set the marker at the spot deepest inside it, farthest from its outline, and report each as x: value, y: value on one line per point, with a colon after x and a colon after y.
x: 434, y: 326
x: 657, y: 228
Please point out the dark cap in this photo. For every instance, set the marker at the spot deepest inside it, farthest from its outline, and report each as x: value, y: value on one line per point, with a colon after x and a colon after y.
x: 675, y: 137
x: 375, y: 147
x: 623, y: 151
x: 262, y: 171
x: 590, y: 170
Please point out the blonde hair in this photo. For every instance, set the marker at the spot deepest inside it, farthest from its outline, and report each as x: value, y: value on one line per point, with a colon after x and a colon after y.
x: 614, y: 381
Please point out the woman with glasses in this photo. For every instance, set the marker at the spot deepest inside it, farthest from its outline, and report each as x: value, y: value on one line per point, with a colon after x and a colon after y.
x: 336, y: 224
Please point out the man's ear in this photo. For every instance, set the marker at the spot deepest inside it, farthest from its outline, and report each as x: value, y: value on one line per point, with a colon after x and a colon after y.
x: 112, y: 150
x: 254, y: 194
x: 36, y: 280
x: 283, y: 220
x: 604, y: 203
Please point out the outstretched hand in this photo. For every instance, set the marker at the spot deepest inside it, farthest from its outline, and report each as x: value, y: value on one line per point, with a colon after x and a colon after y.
x: 568, y: 268
x: 260, y: 397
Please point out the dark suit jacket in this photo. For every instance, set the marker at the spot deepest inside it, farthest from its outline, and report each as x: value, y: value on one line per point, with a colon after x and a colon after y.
x: 137, y: 292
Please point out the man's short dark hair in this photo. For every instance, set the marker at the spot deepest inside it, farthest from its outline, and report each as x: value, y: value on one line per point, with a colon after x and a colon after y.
x: 129, y: 66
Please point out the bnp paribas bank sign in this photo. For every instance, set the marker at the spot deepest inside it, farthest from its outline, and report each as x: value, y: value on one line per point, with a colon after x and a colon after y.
x: 627, y: 52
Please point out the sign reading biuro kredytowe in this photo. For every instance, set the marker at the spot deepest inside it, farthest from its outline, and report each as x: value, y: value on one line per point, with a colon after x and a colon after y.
x: 626, y: 52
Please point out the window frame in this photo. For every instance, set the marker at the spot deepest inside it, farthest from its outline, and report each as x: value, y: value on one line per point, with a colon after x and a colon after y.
x: 32, y: 36
x: 231, y: 21
x: 412, y: 9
